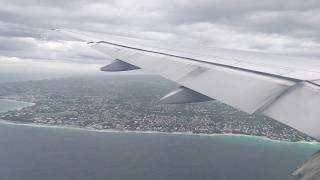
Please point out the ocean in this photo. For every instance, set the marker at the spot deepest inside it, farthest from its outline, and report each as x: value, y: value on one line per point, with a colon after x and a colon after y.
x: 56, y: 153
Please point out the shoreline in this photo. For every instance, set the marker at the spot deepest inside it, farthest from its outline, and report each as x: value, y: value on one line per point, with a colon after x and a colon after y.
x: 151, y: 132
x: 32, y: 124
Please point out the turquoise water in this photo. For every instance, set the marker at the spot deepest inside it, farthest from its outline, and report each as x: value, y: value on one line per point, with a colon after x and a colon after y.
x: 54, y: 153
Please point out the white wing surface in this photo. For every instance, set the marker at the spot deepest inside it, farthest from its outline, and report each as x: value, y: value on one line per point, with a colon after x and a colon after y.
x: 284, y: 88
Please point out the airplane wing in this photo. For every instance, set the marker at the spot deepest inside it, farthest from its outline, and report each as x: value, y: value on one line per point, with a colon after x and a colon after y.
x: 284, y: 88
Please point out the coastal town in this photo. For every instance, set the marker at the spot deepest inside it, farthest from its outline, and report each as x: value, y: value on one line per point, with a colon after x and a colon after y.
x: 130, y: 104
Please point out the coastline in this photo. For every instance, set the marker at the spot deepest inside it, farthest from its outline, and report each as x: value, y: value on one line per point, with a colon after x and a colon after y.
x: 31, y: 124
x: 151, y: 132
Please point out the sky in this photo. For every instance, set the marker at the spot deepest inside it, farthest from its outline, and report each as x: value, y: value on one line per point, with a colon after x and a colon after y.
x: 286, y: 26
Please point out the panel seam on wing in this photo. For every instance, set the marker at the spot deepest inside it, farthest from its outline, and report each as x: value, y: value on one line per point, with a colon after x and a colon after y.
x: 273, y: 99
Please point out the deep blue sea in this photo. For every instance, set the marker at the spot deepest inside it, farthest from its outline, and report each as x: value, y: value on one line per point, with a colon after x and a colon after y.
x: 49, y: 153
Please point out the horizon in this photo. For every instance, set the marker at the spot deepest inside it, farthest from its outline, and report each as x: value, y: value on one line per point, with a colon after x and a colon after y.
x: 273, y: 27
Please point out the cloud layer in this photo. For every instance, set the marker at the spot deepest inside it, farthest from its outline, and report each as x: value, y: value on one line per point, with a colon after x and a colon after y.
x: 287, y: 26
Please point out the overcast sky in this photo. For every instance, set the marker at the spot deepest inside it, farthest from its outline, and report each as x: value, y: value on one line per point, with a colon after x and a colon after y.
x: 281, y: 26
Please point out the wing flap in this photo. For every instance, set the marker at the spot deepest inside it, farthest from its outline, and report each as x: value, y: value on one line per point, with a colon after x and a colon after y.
x: 243, y: 90
x: 298, y: 108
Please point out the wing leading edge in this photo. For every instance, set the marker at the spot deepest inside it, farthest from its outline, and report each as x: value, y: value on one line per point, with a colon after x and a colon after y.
x: 285, y: 93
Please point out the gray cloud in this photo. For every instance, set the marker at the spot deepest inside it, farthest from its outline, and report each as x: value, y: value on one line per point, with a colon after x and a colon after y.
x: 289, y: 26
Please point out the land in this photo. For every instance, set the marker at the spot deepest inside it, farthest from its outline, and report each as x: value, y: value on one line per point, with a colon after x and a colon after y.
x: 129, y: 103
